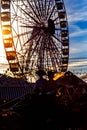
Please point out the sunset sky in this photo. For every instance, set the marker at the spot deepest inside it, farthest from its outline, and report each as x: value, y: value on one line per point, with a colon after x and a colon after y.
x: 77, y: 24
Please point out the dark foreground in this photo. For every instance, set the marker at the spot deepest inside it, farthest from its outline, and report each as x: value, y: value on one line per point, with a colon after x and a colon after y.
x: 44, y: 112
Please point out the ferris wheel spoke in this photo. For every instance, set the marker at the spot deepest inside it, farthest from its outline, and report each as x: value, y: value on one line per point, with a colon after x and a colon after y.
x: 48, y: 7
x: 53, y: 53
x: 56, y: 19
x: 52, y: 56
x: 41, y: 53
x: 21, y: 20
x: 28, y: 15
x: 37, y: 9
x: 30, y: 53
x: 57, y: 48
x: 52, y: 59
x: 45, y: 6
x: 39, y: 6
x: 37, y: 16
x: 22, y: 34
x: 51, y: 12
x: 33, y: 27
x: 54, y: 47
x: 25, y: 21
x: 56, y: 38
x: 56, y: 54
x: 42, y: 8
x: 32, y: 37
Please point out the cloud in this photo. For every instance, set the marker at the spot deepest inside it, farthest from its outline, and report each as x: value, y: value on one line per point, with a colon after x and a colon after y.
x: 77, y: 63
x: 77, y: 14
x: 79, y: 32
x: 76, y: 11
x: 77, y: 22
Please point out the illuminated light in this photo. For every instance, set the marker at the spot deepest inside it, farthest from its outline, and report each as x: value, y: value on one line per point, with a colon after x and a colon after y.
x: 7, y: 45
x: 63, y: 24
x: 14, y: 67
x: 8, y: 42
x: 4, y: 114
x: 11, y: 55
x: 65, y: 51
x: 5, y: 4
x: 58, y: 75
x: 6, y: 29
x: 65, y: 60
x: 5, y: 16
x: 59, y: 5
x: 63, y: 68
x: 58, y: 93
x: 64, y: 33
x: 65, y: 42
x: 62, y: 14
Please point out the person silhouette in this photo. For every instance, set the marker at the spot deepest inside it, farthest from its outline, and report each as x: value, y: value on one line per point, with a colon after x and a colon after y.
x: 51, y: 82
x: 41, y: 82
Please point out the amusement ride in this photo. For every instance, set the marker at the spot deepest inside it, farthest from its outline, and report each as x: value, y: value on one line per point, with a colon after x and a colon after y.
x: 35, y: 36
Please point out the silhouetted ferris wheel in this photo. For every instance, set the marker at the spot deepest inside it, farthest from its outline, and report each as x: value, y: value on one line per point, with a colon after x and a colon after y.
x: 35, y: 35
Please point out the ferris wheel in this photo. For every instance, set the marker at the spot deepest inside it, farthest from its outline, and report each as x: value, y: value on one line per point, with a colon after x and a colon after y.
x: 35, y: 35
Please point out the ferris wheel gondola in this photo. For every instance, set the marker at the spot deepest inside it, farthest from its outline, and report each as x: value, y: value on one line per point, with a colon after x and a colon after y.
x: 35, y: 35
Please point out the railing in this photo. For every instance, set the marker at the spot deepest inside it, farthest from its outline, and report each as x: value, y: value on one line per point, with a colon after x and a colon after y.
x: 8, y: 93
